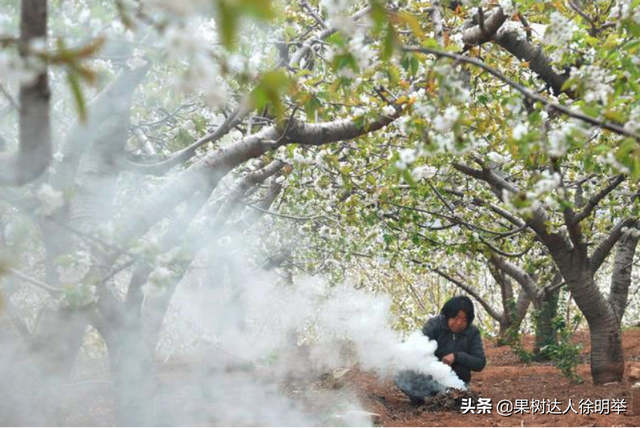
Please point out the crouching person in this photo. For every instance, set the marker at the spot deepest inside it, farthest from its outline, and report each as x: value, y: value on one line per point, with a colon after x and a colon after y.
x: 459, y: 346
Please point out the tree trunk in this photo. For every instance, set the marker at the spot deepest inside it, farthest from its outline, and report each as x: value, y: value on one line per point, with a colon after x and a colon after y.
x: 133, y: 373
x: 544, y: 331
x: 607, y: 355
x: 512, y: 317
x: 37, y: 375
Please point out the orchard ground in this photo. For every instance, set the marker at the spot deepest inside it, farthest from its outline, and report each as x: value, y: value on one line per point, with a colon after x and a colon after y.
x: 506, y: 378
x: 90, y: 403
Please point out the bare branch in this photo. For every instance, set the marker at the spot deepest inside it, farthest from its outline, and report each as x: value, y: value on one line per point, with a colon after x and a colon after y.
x: 538, y: 62
x: 305, y: 4
x: 497, y: 183
x: 187, y: 153
x: 593, y: 31
x: 537, y: 219
x: 519, y: 274
x: 595, y: 199
x: 517, y: 221
x: 603, y: 250
x: 35, y: 281
x: 116, y: 97
x: 483, y: 33
x: 551, y: 288
x: 504, y: 253
x: 492, y: 312
x: 240, y: 188
x: 308, y: 44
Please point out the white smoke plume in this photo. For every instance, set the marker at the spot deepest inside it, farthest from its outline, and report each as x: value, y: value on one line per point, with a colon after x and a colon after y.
x: 304, y: 330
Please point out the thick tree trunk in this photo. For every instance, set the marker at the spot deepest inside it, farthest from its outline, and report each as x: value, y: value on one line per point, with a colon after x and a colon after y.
x: 133, y: 373
x: 48, y: 363
x: 607, y: 356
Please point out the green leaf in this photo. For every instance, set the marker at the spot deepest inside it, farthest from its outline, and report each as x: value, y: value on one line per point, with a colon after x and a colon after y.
x: 430, y: 43
x: 261, y: 9
x: 336, y: 39
x: 200, y: 124
x: 389, y: 42
x: 633, y: 28
x: 76, y: 90
x: 614, y: 116
x: 230, y: 12
x: 269, y: 91
x: 378, y: 14
x: 632, y: 46
x: 227, y: 24
x: 345, y: 60
x: 413, y: 23
x: 183, y: 138
x: 591, y: 110
x: 312, y: 105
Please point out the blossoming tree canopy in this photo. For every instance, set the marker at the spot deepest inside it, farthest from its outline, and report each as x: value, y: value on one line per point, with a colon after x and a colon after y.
x: 371, y: 141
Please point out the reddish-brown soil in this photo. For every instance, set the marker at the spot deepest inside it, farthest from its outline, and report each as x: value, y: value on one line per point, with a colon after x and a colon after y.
x: 506, y: 378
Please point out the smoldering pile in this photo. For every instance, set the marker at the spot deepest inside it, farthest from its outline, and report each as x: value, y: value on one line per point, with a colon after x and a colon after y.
x: 449, y: 400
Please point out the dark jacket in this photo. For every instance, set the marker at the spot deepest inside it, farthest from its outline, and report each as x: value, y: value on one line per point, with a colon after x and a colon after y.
x: 466, y: 346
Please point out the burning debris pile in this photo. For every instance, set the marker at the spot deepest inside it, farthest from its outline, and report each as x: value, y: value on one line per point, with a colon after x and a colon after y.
x: 448, y: 400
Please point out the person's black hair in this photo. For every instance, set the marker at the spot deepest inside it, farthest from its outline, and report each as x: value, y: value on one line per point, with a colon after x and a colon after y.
x: 457, y: 304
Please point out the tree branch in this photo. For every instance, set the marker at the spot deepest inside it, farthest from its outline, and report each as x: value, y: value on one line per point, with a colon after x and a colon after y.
x: 622, y: 269
x: 305, y: 4
x: 604, y: 249
x: 595, y: 199
x: 35, y: 281
x: 209, y: 170
x: 483, y: 33
x: 610, y: 126
x: 519, y: 274
x: 308, y: 44
x: 492, y: 312
x: 112, y: 99
x: 436, y: 19
x: 538, y: 218
x: 535, y: 57
x: 504, y: 253
x: 187, y: 153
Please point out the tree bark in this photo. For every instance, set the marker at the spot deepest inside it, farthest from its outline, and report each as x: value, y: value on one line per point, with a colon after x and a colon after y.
x: 34, y: 154
x: 607, y: 355
x: 56, y: 341
x: 578, y: 269
x: 133, y: 373
x: 621, y: 276
x: 545, y: 334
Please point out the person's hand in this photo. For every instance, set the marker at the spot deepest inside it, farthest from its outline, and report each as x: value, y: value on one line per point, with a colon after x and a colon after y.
x: 449, y: 359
